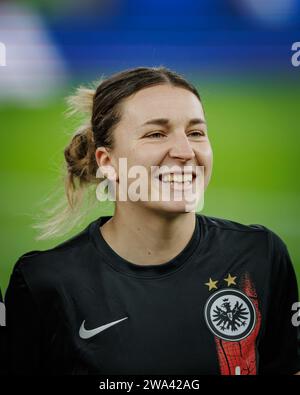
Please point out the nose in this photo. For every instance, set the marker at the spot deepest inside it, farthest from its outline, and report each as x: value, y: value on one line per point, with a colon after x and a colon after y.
x: 181, y: 148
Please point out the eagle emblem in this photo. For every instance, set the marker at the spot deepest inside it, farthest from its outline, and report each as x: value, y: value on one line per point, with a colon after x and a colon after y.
x: 230, y: 314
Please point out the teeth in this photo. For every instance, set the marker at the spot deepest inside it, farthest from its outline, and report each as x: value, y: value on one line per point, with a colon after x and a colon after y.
x: 187, y: 177
x: 177, y: 178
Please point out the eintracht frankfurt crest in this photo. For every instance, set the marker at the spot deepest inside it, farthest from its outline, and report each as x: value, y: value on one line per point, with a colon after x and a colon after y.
x: 230, y: 314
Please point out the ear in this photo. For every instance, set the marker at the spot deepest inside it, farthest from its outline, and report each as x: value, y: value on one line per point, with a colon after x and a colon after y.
x: 105, y: 163
x: 102, y: 157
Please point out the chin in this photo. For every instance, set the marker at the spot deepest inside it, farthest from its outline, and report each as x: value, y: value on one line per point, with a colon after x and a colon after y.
x: 172, y: 207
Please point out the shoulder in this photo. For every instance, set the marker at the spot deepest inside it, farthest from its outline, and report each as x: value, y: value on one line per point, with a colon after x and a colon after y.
x: 257, y: 235
x: 230, y: 225
x: 255, y: 242
x: 45, y: 267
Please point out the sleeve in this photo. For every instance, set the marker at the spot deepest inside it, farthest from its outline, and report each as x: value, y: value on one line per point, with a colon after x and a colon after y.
x: 279, y: 349
x: 24, y: 327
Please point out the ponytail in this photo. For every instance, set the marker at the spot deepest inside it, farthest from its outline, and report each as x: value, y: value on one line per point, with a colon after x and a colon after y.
x: 79, y: 172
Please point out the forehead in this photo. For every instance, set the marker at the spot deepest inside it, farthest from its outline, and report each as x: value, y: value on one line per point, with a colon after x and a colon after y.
x: 161, y: 101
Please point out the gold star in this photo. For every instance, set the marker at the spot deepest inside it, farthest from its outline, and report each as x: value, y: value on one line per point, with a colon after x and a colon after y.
x: 230, y: 280
x: 211, y: 284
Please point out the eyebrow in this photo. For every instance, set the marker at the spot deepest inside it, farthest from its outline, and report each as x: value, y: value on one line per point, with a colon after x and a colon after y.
x: 165, y: 121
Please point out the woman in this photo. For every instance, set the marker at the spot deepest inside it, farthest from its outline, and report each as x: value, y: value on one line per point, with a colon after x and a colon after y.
x: 155, y: 288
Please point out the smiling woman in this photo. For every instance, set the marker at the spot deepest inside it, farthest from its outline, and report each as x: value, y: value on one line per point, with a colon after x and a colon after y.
x: 156, y: 288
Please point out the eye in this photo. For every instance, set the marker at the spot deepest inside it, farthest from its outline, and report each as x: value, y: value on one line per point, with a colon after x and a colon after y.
x: 197, y: 133
x: 155, y: 135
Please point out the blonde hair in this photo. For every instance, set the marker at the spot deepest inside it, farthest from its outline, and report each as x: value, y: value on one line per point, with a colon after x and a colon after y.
x: 79, y: 172
x: 102, y: 107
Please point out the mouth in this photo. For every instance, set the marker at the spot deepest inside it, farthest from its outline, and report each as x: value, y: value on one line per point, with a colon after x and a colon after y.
x: 177, y: 180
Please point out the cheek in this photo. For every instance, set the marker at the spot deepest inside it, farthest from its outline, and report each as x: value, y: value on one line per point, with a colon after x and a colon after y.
x: 125, y: 152
x: 205, y: 158
x: 135, y: 157
x: 209, y: 156
x: 204, y: 155
x: 145, y: 156
x: 208, y: 168
x: 132, y: 160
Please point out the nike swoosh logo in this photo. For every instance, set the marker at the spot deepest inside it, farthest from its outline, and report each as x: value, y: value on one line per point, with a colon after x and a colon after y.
x: 87, y: 333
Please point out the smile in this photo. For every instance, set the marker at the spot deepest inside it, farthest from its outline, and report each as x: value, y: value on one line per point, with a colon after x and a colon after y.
x: 177, y: 180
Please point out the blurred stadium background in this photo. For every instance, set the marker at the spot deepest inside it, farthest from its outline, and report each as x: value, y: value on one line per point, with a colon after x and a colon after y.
x: 237, y: 52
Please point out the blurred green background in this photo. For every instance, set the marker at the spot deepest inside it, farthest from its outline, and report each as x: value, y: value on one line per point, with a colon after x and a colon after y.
x: 254, y: 130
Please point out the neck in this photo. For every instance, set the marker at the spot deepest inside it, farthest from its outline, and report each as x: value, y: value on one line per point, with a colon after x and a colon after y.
x: 148, y: 237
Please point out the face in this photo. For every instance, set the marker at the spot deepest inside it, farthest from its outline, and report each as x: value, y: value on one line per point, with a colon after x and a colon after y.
x: 162, y: 130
